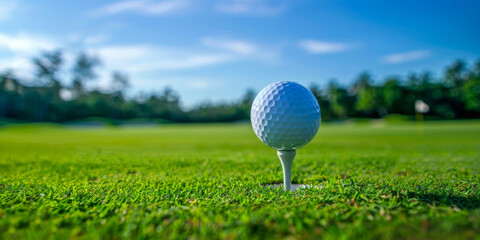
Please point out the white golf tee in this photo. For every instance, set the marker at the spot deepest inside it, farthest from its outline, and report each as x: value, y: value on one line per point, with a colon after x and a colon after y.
x: 286, y: 157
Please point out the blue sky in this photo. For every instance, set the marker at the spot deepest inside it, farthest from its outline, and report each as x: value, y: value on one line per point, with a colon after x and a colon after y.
x: 215, y: 50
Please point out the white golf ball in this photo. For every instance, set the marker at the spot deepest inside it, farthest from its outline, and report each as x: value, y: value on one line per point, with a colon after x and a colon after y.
x: 285, y: 115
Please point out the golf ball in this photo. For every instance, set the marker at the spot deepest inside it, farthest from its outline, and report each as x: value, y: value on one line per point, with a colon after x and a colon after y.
x: 285, y: 115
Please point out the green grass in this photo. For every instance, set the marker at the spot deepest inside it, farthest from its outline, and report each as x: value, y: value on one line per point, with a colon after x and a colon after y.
x: 205, y: 182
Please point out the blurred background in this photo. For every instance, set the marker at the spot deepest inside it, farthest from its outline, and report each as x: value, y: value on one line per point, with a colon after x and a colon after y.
x: 204, y: 61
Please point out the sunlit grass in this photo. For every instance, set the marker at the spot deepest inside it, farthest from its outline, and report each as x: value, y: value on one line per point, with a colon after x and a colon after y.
x: 205, y: 181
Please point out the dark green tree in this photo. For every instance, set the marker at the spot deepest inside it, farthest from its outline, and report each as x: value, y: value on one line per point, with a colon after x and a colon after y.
x: 391, y: 95
x: 471, y: 89
x: 83, y: 71
x: 47, y: 68
x: 367, y: 96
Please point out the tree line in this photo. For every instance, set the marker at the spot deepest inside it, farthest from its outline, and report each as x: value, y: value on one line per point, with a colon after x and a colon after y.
x: 47, y: 97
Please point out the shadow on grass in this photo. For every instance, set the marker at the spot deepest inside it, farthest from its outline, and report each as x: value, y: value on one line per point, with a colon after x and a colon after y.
x: 461, y: 202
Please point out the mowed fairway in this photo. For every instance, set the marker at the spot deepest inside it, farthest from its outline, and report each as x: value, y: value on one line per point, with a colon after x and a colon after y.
x: 205, y: 182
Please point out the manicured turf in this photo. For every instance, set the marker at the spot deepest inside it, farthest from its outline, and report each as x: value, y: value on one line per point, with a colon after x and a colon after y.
x: 205, y: 181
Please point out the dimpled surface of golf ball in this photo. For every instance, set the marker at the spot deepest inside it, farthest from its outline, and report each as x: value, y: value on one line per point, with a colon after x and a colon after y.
x: 285, y: 115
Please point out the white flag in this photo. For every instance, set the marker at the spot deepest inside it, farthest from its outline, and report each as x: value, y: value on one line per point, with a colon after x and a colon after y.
x: 421, y: 106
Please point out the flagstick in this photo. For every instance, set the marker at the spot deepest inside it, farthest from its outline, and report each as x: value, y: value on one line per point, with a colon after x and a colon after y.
x: 419, y: 118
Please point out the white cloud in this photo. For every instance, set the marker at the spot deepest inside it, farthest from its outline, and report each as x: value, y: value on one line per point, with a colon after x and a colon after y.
x: 74, y: 37
x: 323, y: 47
x: 198, y: 84
x: 406, y: 56
x: 23, y: 43
x: 7, y: 8
x: 96, y: 39
x: 22, y: 66
x: 140, y: 58
x: 254, y: 7
x: 133, y: 58
x: 16, y: 51
x: 186, y: 81
x: 147, y: 7
x: 243, y: 50
x: 233, y: 45
x: 139, y: 61
x: 16, y: 63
